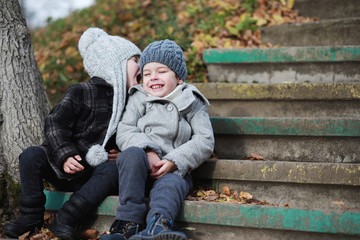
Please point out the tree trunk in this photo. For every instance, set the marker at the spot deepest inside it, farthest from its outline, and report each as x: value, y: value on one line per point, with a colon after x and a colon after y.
x: 23, y: 101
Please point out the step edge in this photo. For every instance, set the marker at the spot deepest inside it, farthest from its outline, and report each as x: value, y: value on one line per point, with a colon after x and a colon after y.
x: 291, y: 172
x: 295, y: 54
x: 270, y: 217
x: 277, y: 217
x: 287, y: 126
x: 285, y: 91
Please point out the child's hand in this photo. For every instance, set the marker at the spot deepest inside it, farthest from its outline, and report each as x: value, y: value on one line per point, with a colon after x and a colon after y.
x: 163, y: 167
x: 153, y: 158
x: 113, y: 154
x: 72, y: 165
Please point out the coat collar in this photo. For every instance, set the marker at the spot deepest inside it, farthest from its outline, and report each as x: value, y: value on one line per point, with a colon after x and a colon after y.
x: 182, y: 101
x: 99, y: 82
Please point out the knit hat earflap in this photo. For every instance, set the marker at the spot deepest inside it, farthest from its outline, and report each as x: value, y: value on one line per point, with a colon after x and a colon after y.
x: 106, y: 57
x: 166, y: 52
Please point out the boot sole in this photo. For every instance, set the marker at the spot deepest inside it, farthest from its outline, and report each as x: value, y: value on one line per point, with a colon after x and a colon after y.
x: 14, y: 234
x: 160, y: 237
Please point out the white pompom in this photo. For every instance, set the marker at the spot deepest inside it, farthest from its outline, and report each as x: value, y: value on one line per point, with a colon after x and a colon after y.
x: 89, y: 37
x: 96, y: 155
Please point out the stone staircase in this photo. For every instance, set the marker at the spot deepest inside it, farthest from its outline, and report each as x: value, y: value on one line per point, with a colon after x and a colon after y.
x: 298, y: 106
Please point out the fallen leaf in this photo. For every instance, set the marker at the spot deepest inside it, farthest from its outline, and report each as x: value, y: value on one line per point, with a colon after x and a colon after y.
x: 260, y: 22
x: 290, y: 3
x: 226, y: 190
x: 278, y: 18
x: 24, y: 236
x: 214, y: 156
x: 200, y: 194
x: 230, y: 197
x: 190, y: 228
x: 48, y: 218
x: 340, y: 203
x: 40, y: 236
x: 245, y: 195
x: 211, y: 197
x: 89, y: 234
x: 69, y: 69
x: 49, y: 233
x: 254, y: 156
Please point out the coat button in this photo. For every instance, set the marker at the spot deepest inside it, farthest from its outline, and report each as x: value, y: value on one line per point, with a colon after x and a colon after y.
x: 170, y: 108
x: 109, y: 93
x: 147, y: 130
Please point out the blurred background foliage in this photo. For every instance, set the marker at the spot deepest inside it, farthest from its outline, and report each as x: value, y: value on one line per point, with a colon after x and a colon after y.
x: 194, y: 24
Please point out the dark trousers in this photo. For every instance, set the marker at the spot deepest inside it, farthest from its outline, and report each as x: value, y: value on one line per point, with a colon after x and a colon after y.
x: 166, y: 193
x: 94, y: 186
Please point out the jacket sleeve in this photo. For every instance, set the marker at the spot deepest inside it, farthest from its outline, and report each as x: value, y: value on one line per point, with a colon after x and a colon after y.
x: 128, y: 134
x: 199, y: 148
x: 59, y: 124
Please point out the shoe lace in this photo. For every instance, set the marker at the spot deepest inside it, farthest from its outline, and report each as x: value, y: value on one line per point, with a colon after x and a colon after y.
x: 121, y: 227
x: 166, y: 223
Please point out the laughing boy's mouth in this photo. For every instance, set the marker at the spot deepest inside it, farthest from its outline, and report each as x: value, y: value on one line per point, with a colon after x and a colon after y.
x: 157, y: 86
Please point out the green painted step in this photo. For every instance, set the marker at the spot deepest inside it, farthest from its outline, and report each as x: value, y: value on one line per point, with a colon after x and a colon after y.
x: 312, y: 64
x: 282, y: 55
x: 56, y: 199
x: 286, y: 126
x: 266, y: 217
x: 277, y: 171
x: 306, y: 139
x: 237, y: 215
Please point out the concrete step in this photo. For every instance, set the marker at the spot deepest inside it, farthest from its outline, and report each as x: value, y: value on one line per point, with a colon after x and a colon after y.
x: 328, y: 9
x: 305, y: 185
x: 282, y: 100
x: 333, y: 32
x: 332, y: 140
x: 212, y: 220
x: 275, y: 126
x: 284, y: 65
x: 289, y: 148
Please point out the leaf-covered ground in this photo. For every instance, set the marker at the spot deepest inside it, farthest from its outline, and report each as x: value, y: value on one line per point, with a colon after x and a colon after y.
x: 194, y: 25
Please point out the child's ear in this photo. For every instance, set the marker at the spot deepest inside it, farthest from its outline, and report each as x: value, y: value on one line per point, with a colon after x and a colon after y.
x: 180, y: 81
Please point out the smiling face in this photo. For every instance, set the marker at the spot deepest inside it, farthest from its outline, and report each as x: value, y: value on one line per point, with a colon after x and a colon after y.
x: 133, y: 72
x: 159, y: 80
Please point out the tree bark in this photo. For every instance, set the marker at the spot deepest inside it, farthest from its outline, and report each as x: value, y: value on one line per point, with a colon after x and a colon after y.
x: 23, y: 100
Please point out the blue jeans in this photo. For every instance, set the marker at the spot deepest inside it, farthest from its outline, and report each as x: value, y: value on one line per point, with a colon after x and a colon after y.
x: 166, y: 193
x: 94, y: 186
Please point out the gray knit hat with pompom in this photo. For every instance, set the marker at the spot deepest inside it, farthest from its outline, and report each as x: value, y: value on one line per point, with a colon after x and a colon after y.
x: 106, y: 57
x: 166, y: 52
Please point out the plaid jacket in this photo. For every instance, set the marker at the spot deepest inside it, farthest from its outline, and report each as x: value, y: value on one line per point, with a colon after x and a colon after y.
x: 78, y: 122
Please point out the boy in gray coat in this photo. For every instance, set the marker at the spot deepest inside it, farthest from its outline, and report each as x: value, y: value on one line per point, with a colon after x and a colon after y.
x: 164, y: 134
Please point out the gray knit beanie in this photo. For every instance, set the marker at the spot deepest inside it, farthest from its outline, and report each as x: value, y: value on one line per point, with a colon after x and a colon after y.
x: 106, y: 57
x: 166, y: 52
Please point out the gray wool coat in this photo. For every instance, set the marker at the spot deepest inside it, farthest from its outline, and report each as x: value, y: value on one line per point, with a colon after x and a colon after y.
x: 178, y: 130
